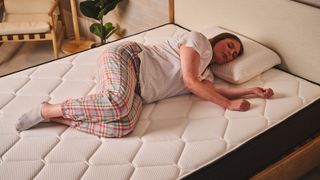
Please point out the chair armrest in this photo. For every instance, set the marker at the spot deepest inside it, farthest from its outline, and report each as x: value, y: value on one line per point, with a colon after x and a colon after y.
x: 1, y: 11
x: 52, y: 21
x: 53, y: 7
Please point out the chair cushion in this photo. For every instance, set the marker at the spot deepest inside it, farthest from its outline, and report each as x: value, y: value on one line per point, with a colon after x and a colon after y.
x: 7, y: 28
x: 24, y: 24
x: 29, y: 6
x: 9, y: 17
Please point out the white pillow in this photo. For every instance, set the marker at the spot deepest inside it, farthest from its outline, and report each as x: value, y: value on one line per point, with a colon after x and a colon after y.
x: 255, y: 59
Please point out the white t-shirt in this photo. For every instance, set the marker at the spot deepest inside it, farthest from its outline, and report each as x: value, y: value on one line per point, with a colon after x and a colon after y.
x: 160, y: 68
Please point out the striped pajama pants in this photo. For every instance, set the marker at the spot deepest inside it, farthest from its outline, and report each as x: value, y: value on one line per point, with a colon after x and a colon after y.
x: 116, y: 107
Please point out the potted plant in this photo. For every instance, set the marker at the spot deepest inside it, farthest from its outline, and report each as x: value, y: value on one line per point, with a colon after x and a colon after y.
x: 96, y: 9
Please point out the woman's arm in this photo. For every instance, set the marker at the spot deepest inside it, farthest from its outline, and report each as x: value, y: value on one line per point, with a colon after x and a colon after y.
x: 238, y: 92
x: 190, y: 62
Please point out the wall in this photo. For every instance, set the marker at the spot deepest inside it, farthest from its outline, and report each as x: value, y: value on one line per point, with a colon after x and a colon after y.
x: 132, y: 15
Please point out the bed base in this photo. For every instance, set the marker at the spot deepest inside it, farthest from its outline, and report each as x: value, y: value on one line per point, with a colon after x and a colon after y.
x: 252, y: 160
x: 296, y: 164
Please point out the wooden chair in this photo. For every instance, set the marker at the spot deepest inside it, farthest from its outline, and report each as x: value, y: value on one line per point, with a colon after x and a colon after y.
x: 32, y: 20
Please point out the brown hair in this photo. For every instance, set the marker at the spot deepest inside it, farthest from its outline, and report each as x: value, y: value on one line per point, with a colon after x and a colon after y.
x: 222, y: 36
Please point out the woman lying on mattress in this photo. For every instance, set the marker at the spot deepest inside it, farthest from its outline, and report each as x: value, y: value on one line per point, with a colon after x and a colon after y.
x: 130, y: 74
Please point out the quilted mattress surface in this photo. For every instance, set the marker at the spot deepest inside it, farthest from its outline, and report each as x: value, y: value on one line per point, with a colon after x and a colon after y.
x: 173, y: 137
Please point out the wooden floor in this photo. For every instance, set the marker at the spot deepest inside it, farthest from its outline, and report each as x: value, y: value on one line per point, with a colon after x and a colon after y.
x: 25, y: 55
x: 303, y: 162
x: 312, y: 175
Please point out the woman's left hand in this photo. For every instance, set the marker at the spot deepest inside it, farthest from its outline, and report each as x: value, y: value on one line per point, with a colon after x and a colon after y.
x: 263, y: 93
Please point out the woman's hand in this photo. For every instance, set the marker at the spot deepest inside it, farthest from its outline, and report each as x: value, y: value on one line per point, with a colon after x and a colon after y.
x: 263, y: 93
x: 239, y: 105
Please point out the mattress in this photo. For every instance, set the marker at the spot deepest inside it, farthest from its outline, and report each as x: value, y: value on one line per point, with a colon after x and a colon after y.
x: 175, y: 138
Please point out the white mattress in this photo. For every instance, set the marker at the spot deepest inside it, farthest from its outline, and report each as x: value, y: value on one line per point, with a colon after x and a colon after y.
x: 173, y: 137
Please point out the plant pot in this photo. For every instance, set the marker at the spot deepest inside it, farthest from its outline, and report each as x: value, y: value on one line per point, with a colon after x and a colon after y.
x: 95, y: 44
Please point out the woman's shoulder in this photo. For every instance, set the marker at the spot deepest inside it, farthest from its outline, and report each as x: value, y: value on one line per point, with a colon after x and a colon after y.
x: 195, y: 35
x: 195, y: 39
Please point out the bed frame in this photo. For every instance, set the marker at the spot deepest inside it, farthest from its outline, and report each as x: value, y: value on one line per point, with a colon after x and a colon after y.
x: 291, y: 29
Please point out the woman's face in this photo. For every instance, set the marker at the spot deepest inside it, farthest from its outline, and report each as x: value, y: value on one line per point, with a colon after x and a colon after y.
x: 226, y: 50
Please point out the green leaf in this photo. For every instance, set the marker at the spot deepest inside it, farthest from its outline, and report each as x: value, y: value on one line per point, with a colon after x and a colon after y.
x: 89, y: 9
x: 110, y: 5
x: 98, y: 30
x: 110, y: 29
x: 96, y: 9
x: 102, y: 13
x: 111, y: 32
